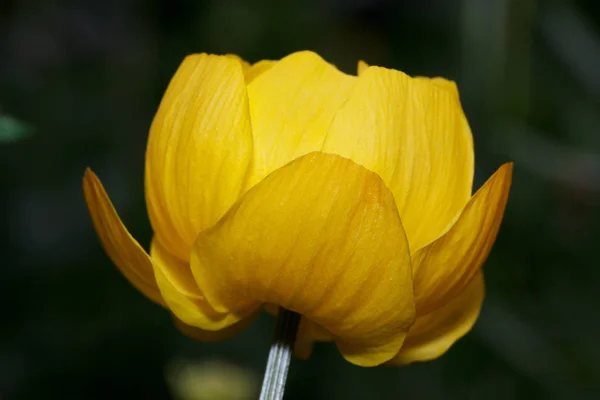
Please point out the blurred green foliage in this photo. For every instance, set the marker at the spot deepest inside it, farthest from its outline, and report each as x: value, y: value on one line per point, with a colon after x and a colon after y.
x: 12, y: 130
x: 89, y: 76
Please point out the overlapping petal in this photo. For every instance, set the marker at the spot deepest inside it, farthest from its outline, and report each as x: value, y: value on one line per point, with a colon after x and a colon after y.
x: 433, y: 334
x: 124, y: 251
x: 255, y: 70
x: 181, y: 293
x: 199, y: 149
x: 291, y: 106
x: 413, y: 133
x: 443, y: 269
x: 320, y: 236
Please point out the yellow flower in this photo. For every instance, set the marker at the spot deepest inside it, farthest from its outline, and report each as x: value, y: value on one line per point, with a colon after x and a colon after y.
x: 344, y: 198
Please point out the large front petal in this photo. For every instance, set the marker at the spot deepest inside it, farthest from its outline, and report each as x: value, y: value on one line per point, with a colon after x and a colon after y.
x: 199, y: 149
x: 320, y: 236
x: 291, y: 105
x: 413, y: 133
x: 124, y: 251
x: 444, y: 268
x: 433, y: 334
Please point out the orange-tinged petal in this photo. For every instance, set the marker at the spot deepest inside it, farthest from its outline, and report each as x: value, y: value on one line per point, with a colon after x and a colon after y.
x: 181, y: 294
x: 124, y: 251
x: 434, y: 333
x: 413, y: 133
x: 320, y: 236
x: 291, y: 106
x: 199, y: 149
x: 442, y: 269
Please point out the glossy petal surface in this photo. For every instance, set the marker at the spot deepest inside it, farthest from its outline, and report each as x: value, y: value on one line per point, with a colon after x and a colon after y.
x: 322, y: 237
x: 291, y: 106
x: 434, y: 333
x: 199, y: 149
x: 443, y: 268
x: 413, y: 134
x: 124, y: 251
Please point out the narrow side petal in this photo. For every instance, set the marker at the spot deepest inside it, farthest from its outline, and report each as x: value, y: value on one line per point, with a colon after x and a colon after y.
x: 291, y: 106
x: 413, y: 133
x: 320, y: 236
x: 433, y: 334
x: 199, y: 149
x: 124, y: 251
x: 443, y: 268
x: 181, y: 294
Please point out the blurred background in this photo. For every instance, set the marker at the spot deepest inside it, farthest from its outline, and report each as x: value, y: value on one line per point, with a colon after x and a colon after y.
x: 82, y: 79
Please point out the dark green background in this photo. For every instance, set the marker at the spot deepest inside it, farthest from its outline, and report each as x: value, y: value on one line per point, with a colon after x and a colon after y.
x: 87, y: 76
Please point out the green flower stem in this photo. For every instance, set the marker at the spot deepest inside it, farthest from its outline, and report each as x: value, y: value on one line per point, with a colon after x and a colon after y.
x: 280, y: 355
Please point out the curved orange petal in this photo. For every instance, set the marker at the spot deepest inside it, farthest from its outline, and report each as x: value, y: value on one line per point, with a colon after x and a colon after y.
x: 442, y: 269
x: 199, y: 149
x: 322, y: 237
x: 433, y: 334
x: 291, y: 106
x: 124, y: 251
x: 411, y: 132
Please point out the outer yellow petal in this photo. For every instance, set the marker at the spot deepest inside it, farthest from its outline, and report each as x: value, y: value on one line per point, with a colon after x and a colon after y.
x: 413, y: 133
x: 199, y: 149
x: 181, y: 294
x: 291, y: 105
x: 124, y: 251
x: 442, y: 269
x: 322, y: 237
x: 433, y: 334
x: 362, y: 67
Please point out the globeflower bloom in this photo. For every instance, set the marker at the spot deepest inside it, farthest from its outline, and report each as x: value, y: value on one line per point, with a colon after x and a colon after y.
x: 347, y: 199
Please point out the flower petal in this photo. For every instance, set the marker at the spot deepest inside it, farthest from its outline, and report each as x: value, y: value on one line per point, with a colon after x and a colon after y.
x: 291, y: 105
x: 442, y: 269
x: 255, y: 70
x: 320, y: 236
x: 124, y: 251
x: 199, y: 149
x: 308, y: 333
x: 413, y: 133
x: 181, y: 294
x: 433, y: 334
x: 361, y: 67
